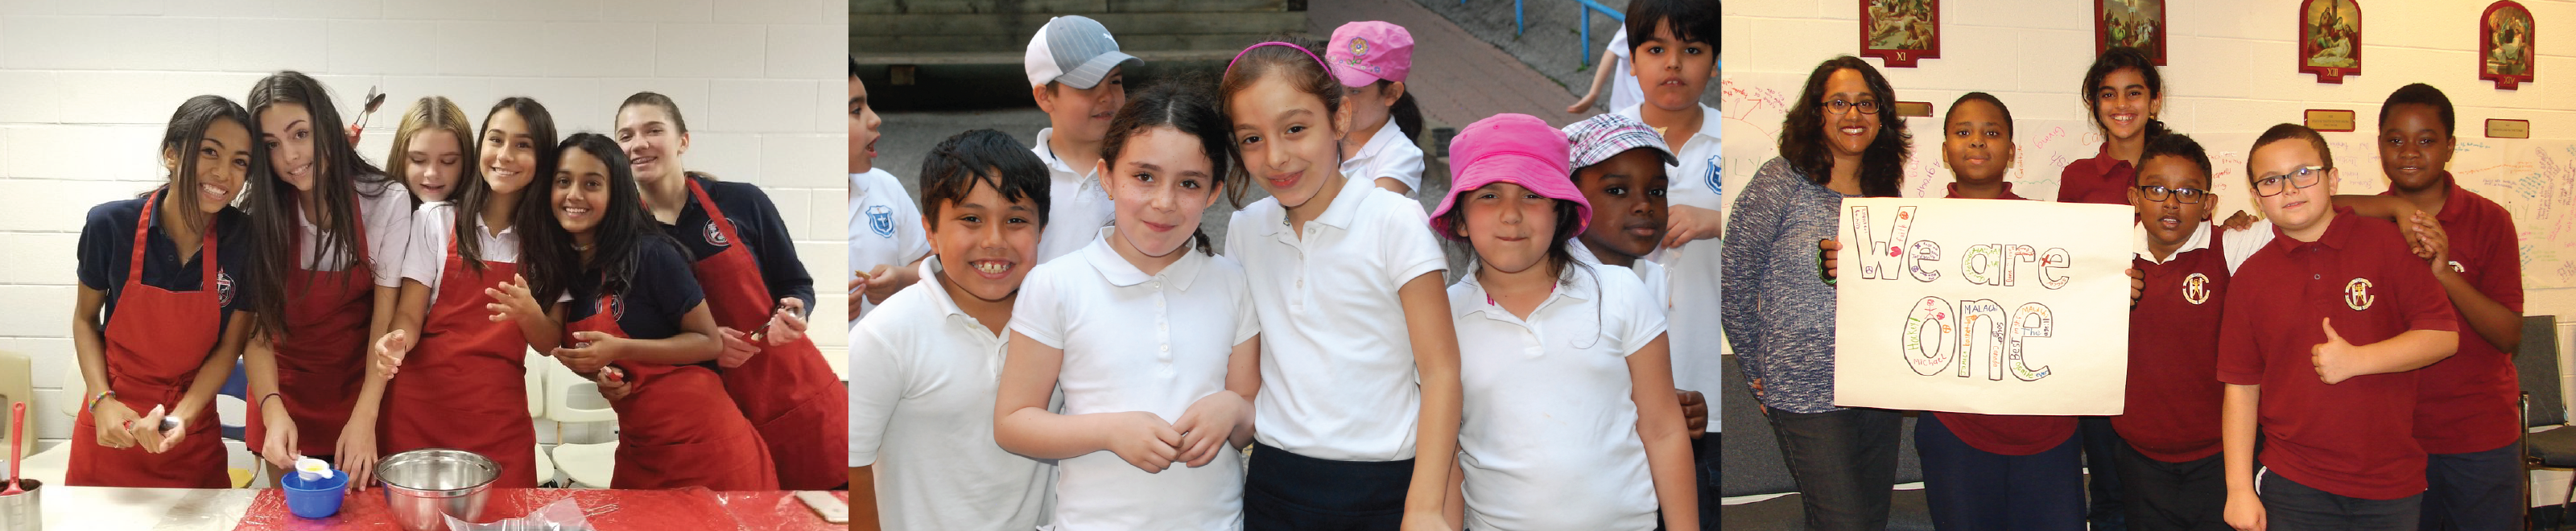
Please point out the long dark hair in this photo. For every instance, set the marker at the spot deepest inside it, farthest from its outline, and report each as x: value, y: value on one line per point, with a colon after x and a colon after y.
x: 546, y: 253
x: 1802, y: 135
x: 2114, y: 60
x: 1180, y: 104
x: 340, y: 176
x: 179, y: 142
x: 472, y: 194
x: 1404, y: 112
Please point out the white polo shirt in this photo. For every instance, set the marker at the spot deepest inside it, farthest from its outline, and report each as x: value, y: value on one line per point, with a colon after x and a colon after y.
x: 1337, y: 374
x: 1698, y: 333
x: 1135, y: 342
x: 1547, y: 436
x: 1658, y: 285
x: 1076, y: 204
x: 387, y: 222
x: 1387, y: 154
x: 885, y: 227
x: 923, y: 376
x: 1623, y: 81
x: 432, y: 226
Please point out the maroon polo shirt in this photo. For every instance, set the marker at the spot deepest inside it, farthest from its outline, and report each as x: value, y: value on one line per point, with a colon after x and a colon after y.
x: 2100, y: 179
x: 2354, y: 438
x: 2008, y: 193
x: 2469, y: 402
x: 2007, y: 434
x: 2173, y: 397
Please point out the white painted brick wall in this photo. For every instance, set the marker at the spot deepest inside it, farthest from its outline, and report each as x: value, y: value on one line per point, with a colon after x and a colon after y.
x: 86, y: 86
x: 2231, y: 74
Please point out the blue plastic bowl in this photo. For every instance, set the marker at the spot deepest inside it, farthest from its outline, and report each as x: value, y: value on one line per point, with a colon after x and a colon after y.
x: 317, y: 498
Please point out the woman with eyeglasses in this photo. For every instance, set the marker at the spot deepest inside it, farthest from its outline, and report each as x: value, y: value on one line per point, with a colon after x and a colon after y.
x: 1839, y: 141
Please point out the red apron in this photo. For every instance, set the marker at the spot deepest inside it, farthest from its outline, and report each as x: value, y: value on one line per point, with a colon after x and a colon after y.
x: 155, y: 342
x: 321, y: 363
x: 677, y: 428
x: 463, y: 384
x: 788, y: 391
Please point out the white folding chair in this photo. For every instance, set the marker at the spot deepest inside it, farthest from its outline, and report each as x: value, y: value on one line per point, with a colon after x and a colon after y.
x: 536, y: 380
x: 571, y: 398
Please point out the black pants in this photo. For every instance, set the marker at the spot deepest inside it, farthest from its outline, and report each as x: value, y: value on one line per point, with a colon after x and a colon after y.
x: 1844, y: 463
x: 1705, y: 458
x: 2290, y: 506
x: 1975, y: 490
x: 2161, y: 496
x: 1284, y: 491
x: 2475, y: 491
x: 2101, y: 444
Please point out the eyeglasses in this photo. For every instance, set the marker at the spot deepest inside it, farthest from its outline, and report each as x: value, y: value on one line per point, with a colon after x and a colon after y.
x: 1845, y: 107
x: 2188, y: 196
x: 2305, y: 176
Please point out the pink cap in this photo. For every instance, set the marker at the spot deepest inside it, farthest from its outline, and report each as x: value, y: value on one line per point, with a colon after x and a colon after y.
x: 1363, y: 52
x: 1511, y: 148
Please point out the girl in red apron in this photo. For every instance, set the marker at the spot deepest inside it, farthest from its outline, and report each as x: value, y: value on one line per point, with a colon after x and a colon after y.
x: 162, y: 314
x: 633, y: 312
x: 758, y: 290
x: 460, y: 385
x: 332, y: 230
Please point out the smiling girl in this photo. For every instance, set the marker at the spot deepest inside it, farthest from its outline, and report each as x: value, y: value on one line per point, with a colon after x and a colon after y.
x: 1152, y: 338
x: 755, y: 285
x: 433, y: 149
x: 160, y: 316
x: 1358, y: 423
x: 330, y: 229
x: 468, y: 365
x: 628, y: 307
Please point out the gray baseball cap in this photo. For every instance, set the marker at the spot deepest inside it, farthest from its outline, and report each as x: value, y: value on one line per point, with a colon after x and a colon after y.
x: 1074, y: 50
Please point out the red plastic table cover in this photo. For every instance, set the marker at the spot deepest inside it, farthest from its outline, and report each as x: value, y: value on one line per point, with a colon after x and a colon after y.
x: 606, y: 509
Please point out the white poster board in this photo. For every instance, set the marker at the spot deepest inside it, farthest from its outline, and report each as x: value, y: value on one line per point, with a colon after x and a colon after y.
x: 1983, y: 306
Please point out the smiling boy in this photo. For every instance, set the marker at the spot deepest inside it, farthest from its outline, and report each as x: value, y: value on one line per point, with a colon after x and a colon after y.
x: 2318, y: 347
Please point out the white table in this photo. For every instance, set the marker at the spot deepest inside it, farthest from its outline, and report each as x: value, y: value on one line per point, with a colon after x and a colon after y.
x: 69, y: 508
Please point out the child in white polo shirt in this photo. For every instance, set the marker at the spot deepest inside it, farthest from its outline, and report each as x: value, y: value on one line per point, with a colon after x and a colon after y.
x: 1371, y: 60
x: 884, y: 241
x: 1358, y: 411
x: 923, y: 366
x: 1151, y: 338
x: 1570, y: 421
x: 1077, y: 75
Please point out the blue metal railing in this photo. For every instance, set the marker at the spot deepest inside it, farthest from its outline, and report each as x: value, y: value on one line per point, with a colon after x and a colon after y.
x: 1585, y: 7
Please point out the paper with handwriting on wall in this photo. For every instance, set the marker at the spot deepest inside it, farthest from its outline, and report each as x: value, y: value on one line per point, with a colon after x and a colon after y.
x: 1983, y: 306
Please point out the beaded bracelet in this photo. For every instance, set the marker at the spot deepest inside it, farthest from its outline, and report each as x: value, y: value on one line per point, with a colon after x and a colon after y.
x: 101, y: 397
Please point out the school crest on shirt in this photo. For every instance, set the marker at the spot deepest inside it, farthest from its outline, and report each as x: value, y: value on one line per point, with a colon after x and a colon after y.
x: 1716, y: 181
x: 223, y: 288
x: 881, y: 220
x: 716, y: 236
x: 614, y: 307
x: 2356, y: 294
x: 2195, y: 288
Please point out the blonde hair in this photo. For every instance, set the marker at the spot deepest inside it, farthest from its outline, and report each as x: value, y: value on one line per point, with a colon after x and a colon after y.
x: 431, y: 112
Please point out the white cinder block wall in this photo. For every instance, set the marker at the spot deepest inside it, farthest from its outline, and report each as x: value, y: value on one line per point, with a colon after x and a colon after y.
x: 85, y: 88
x: 2231, y: 74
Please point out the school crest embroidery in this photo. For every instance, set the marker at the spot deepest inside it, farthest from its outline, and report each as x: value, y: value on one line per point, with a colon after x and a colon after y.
x: 1716, y: 181
x: 2195, y: 288
x: 223, y: 288
x: 716, y: 236
x: 613, y: 306
x: 881, y: 220
x: 2356, y: 294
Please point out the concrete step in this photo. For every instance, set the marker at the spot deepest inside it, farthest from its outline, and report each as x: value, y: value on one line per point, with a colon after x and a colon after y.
x: 920, y: 7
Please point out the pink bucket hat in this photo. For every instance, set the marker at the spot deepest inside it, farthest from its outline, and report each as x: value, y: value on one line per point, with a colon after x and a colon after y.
x: 1363, y: 52
x: 1511, y: 148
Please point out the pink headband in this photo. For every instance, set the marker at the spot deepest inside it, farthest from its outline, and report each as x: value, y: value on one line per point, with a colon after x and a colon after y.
x: 1238, y: 56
